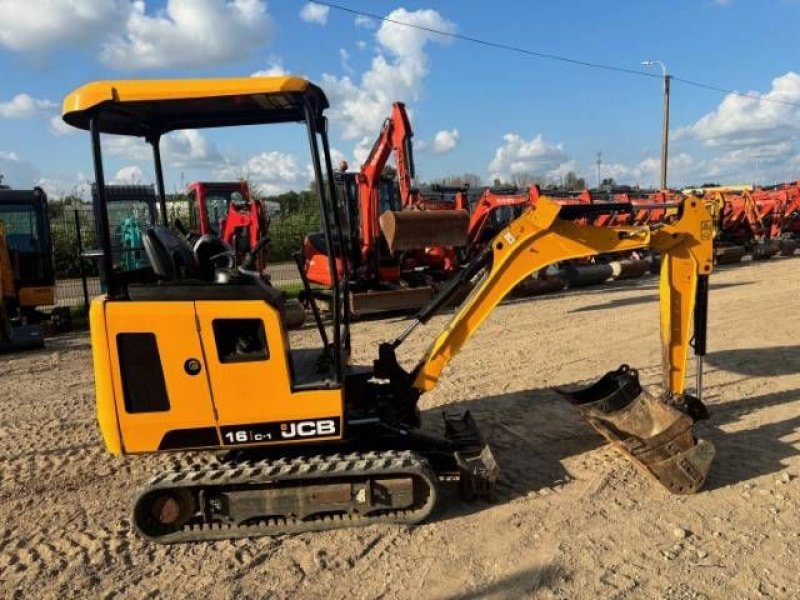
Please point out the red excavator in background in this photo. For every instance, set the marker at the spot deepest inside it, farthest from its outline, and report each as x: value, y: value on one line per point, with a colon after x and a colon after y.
x: 227, y: 210
x: 399, y: 248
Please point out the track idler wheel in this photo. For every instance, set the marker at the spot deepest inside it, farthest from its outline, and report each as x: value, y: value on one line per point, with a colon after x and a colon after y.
x: 158, y: 511
x: 655, y: 435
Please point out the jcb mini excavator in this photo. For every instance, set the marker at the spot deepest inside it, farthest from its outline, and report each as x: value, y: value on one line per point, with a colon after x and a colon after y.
x: 315, y: 442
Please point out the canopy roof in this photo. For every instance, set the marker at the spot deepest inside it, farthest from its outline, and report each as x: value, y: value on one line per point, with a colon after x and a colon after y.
x: 152, y: 107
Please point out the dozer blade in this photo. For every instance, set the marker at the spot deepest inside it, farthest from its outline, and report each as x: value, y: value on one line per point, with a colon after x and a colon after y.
x: 21, y: 338
x: 766, y: 250
x: 726, y: 255
x: 376, y: 301
x: 413, y: 229
x: 655, y: 435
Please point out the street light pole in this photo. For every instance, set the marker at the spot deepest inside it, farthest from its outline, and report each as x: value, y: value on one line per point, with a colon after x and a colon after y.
x: 665, y: 120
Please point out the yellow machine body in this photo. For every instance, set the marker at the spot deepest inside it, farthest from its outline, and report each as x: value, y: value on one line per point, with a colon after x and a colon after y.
x: 163, y: 380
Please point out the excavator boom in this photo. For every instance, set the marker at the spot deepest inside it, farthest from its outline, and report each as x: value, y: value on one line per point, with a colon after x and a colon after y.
x: 539, y: 238
x: 654, y: 431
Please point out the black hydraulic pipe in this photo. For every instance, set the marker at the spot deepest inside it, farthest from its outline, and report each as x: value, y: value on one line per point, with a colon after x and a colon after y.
x: 298, y: 260
x: 575, y: 211
x: 162, y: 197
x: 311, y: 128
x: 701, y: 315
x: 700, y: 326
x: 112, y: 286
x: 446, y: 292
x: 337, y: 222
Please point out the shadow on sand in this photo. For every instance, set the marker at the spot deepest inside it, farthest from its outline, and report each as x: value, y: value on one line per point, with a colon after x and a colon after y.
x: 521, y: 584
x: 645, y: 298
x: 532, y: 431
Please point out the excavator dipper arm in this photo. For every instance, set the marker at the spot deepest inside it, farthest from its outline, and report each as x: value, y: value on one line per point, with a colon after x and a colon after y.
x: 656, y: 432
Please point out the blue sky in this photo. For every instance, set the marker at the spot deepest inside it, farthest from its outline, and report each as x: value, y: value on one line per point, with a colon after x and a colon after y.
x: 477, y: 109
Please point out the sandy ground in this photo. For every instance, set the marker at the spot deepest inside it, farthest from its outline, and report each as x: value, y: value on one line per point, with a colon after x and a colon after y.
x: 573, y: 519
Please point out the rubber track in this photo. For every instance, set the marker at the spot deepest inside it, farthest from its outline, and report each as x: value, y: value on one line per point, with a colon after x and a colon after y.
x: 354, y: 466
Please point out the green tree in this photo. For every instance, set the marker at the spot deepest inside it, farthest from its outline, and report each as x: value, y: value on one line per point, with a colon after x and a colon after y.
x: 572, y: 183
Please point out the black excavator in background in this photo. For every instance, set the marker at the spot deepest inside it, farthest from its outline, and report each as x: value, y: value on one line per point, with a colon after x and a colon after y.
x: 27, y: 273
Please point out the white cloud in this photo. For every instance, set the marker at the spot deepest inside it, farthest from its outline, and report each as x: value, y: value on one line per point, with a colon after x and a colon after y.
x: 361, y: 150
x: 270, y: 172
x: 25, y: 106
x: 189, y: 34
x: 361, y: 44
x: 314, y: 13
x: 274, y: 68
x: 130, y: 175
x: 337, y: 156
x: 397, y: 72
x: 365, y: 22
x: 131, y: 148
x: 753, y: 137
x: 187, y: 148
x: 517, y: 155
x: 59, y: 128
x: 750, y: 120
x: 38, y: 25
x: 344, y: 56
x: 58, y: 186
x: 444, y: 141
x: 17, y: 172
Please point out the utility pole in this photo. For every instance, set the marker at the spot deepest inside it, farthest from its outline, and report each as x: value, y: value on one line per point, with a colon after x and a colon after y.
x: 665, y: 120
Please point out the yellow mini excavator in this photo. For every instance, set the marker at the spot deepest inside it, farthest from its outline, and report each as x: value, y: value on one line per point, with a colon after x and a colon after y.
x: 198, y: 358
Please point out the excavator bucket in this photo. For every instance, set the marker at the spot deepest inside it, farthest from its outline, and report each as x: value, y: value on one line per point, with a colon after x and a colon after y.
x: 413, y: 229
x: 655, y: 435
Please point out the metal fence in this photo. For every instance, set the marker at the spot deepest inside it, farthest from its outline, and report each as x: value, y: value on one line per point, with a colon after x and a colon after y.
x: 74, y: 236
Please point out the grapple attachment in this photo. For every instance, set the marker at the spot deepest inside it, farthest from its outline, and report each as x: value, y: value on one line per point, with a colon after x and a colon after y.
x: 654, y: 434
x: 413, y: 229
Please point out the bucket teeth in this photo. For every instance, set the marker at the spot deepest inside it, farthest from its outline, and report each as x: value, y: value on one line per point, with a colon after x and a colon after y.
x: 655, y: 435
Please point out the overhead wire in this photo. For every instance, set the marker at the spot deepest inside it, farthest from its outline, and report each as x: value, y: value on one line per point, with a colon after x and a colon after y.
x: 549, y: 55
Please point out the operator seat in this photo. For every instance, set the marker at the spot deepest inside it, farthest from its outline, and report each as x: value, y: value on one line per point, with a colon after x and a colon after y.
x: 169, y: 254
x: 174, y: 263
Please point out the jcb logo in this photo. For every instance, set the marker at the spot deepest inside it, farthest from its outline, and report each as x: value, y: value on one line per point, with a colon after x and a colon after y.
x: 304, y: 429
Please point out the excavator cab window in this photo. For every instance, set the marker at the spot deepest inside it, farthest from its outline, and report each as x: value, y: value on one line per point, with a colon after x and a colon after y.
x: 26, y: 238
x: 240, y: 340
x: 390, y: 195
x: 217, y: 208
x: 194, y: 212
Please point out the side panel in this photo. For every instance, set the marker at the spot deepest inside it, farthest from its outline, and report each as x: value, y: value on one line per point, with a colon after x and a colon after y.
x: 103, y: 386
x: 187, y: 420
x: 252, y: 389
